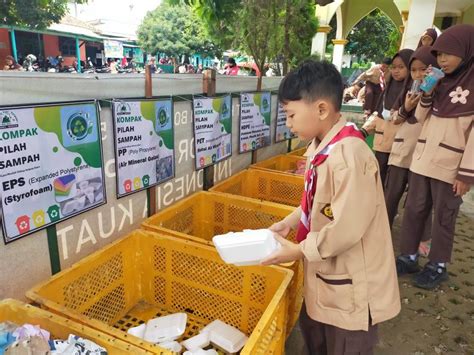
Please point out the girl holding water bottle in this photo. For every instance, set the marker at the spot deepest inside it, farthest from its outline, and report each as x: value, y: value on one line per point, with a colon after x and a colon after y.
x: 406, y: 138
x: 442, y: 168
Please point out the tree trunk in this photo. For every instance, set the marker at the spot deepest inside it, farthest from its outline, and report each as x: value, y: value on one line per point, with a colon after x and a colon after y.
x: 286, y: 41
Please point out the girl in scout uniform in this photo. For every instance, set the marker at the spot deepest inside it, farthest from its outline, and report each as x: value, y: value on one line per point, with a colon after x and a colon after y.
x: 405, y: 140
x: 350, y: 282
x: 383, y: 125
x: 443, y: 161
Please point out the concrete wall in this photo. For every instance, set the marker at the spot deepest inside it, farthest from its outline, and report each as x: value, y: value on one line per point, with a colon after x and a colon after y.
x: 468, y: 16
x: 26, y: 262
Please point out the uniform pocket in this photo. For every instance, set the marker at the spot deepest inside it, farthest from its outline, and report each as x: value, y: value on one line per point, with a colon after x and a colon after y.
x: 335, y: 292
x: 397, y: 146
x: 419, y: 148
x: 448, y: 156
x: 450, y: 212
x: 378, y: 138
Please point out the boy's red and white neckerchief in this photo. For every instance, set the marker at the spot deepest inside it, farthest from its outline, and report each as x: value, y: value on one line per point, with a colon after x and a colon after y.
x: 311, y: 177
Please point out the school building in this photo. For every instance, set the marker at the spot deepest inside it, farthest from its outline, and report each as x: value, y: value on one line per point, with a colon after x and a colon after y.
x: 413, y: 17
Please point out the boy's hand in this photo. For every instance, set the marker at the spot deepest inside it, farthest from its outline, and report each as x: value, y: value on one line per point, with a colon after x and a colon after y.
x: 288, y: 252
x: 411, y: 101
x: 460, y: 187
x: 280, y: 228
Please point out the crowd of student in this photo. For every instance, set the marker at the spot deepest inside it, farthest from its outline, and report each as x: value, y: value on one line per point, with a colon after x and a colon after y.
x: 423, y: 142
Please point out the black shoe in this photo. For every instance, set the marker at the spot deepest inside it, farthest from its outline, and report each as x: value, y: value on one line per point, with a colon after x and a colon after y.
x: 431, y: 276
x: 406, y: 266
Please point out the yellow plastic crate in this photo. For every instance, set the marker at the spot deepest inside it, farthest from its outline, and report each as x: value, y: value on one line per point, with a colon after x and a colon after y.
x: 298, y: 152
x: 60, y: 327
x: 264, y: 185
x: 147, y: 275
x: 203, y: 215
x: 286, y: 164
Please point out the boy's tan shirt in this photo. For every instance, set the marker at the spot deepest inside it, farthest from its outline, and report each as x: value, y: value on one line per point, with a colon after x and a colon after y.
x: 349, y: 260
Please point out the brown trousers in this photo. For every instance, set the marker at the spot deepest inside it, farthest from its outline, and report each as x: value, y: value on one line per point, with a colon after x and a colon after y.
x: 372, y: 95
x: 322, y: 339
x: 382, y: 159
x: 424, y: 194
x: 396, y: 182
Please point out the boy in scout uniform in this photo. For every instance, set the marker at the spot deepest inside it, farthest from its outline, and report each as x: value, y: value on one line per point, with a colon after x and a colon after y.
x: 342, y: 226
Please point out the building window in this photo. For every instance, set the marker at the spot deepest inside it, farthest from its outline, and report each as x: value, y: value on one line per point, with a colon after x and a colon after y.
x: 67, y: 46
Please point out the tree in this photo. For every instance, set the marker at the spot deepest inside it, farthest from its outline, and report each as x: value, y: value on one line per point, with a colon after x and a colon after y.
x: 302, y: 26
x: 256, y: 19
x: 373, y: 37
x: 217, y: 15
x: 175, y: 31
x: 279, y: 30
x: 33, y: 13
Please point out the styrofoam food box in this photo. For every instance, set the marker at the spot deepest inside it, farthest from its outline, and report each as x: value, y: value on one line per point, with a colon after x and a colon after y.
x: 174, y: 346
x: 167, y: 328
x: 201, y: 352
x: 199, y: 341
x: 225, y: 336
x: 249, y: 247
x: 138, y: 331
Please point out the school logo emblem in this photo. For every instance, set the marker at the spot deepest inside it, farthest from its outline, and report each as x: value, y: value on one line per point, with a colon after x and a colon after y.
x: 265, y: 104
x: 327, y: 211
x: 163, y: 117
x: 198, y: 104
x: 124, y: 109
x: 78, y: 126
x: 8, y: 120
x: 225, y: 109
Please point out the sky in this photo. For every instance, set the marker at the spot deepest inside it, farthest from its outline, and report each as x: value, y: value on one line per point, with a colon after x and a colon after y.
x: 121, y: 15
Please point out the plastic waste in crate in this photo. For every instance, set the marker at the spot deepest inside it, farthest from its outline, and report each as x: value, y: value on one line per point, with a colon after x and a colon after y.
x: 162, y: 329
x: 219, y: 334
x: 245, y: 248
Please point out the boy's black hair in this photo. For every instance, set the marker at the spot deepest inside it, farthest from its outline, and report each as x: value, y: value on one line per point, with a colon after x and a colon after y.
x: 387, y: 61
x: 310, y: 81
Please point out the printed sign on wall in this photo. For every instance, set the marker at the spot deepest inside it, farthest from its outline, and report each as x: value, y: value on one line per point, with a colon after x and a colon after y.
x: 282, y: 132
x: 144, y: 144
x: 212, y: 129
x: 51, y: 165
x: 255, y: 118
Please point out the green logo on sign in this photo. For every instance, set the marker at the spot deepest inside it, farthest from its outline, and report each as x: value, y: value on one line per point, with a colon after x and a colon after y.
x: 124, y: 109
x: 162, y: 117
x: 77, y: 127
x: 225, y: 109
x: 8, y: 120
x: 265, y: 104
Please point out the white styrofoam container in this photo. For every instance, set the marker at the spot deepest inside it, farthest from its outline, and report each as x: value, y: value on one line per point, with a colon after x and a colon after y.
x: 199, y: 341
x: 174, y: 346
x: 225, y: 336
x: 167, y: 328
x: 249, y: 247
x: 201, y: 352
x: 138, y: 331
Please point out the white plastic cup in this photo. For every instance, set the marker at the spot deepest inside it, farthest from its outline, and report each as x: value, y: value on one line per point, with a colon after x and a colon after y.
x: 415, y: 86
x: 431, y: 79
